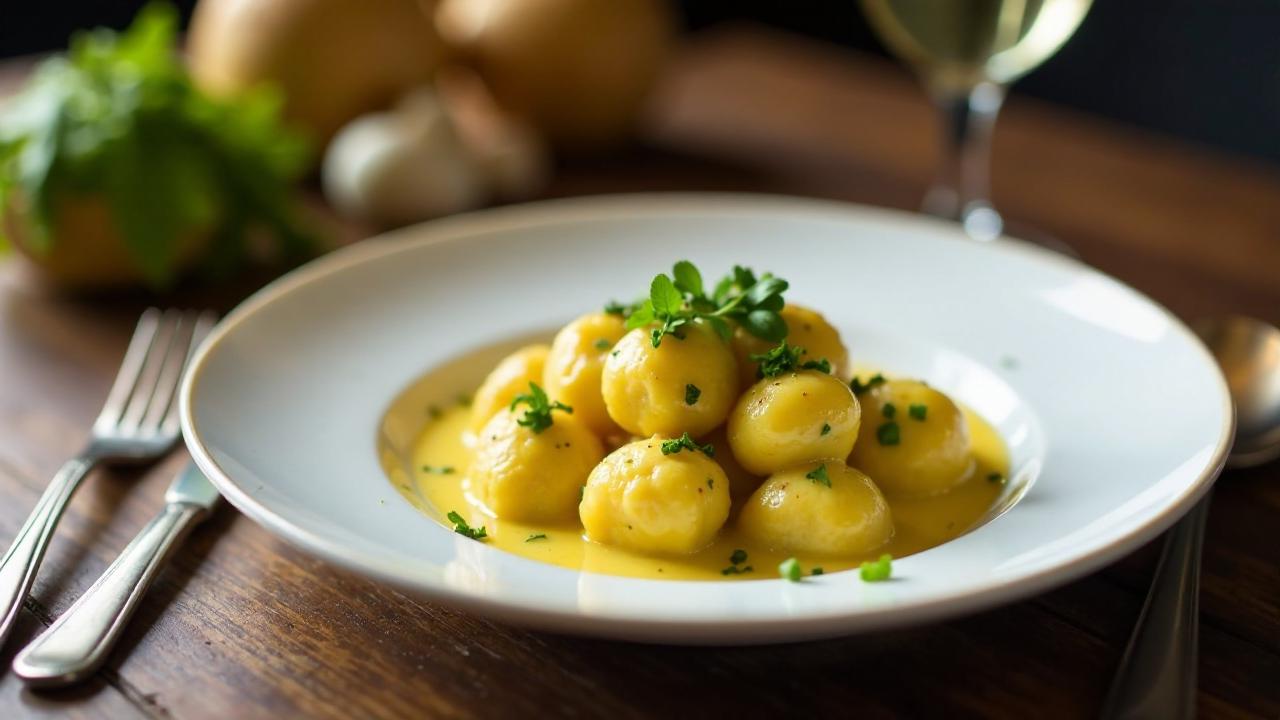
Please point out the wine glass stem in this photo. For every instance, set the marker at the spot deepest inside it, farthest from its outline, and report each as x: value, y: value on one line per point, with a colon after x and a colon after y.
x: 961, y: 190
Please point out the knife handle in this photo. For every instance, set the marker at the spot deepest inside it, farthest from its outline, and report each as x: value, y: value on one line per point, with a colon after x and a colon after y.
x: 77, y: 642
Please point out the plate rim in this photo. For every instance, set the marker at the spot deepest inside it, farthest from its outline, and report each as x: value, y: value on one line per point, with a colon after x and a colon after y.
x: 613, y: 206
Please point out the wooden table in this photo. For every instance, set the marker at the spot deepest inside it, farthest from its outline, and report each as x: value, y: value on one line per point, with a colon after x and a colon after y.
x: 242, y: 625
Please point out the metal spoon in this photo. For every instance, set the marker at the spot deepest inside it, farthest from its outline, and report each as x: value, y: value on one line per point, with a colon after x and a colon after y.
x: 1157, y: 675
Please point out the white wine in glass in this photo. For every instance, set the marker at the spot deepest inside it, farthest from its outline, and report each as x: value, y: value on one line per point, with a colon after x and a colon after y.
x: 965, y: 52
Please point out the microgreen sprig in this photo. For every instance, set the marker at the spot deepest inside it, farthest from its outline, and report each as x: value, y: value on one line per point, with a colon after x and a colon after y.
x: 538, y: 417
x: 784, y: 358
x: 461, y: 527
x: 684, y: 442
x: 675, y: 303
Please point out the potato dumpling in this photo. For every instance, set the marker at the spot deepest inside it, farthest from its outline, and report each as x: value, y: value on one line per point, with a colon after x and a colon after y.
x: 914, y: 441
x: 683, y: 385
x: 508, y: 379
x: 741, y: 482
x: 792, y: 419
x: 576, y: 363
x: 805, y: 328
x: 828, y: 509
x: 533, y: 476
x: 640, y: 499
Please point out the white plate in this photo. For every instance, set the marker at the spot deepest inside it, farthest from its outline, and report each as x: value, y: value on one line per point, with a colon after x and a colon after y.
x: 1117, y: 417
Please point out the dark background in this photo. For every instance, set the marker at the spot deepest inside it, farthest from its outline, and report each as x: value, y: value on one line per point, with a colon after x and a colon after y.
x: 1205, y: 70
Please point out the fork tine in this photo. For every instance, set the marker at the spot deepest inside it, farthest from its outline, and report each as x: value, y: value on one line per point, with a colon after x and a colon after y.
x: 167, y: 380
x: 203, y: 325
x: 143, y: 337
x: 145, y: 388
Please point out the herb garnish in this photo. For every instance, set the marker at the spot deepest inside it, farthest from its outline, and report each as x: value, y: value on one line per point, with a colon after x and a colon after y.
x: 784, y: 358
x: 889, y: 410
x: 918, y: 412
x: 860, y: 387
x: 888, y: 433
x: 461, y: 527
x: 816, y: 571
x: 438, y: 469
x: 736, y: 567
x: 684, y: 442
x: 603, y: 344
x: 673, y: 304
x: 789, y: 569
x: 538, y: 417
x: 819, y: 475
x: 877, y: 571
x: 536, y: 536
x: 826, y: 428
x: 738, y: 557
x: 691, y: 394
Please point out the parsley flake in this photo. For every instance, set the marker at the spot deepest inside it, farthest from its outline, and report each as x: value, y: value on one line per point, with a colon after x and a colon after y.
x: 826, y: 428
x: 860, y: 387
x: 784, y: 358
x: 538, y: 417
x: 536, y: 536
x: 819, y: 475
x: 888, y: 434
x: 461, y: 527
x: 889, y: 410
x: 439, y: 469
x: 737, y: 570
x: 918, y: 412
x: 684, y: 442
x: 822, y: 366
x: 816, y: 571
x: 877, y: 571
x: 603, y: 344
x: 691, y: 394
x: 996, y: 478
x: 738, y: 557
x: 789, y: 569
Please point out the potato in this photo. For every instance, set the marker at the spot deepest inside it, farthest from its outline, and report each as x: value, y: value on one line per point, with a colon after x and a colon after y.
x: 647, y: 389
x: 930, y: 456
x: 793, y: 419
x: 741, y: 482
x: 509, y: 378
x: 794, y: 513
x: 640, y: 499
x: 575, y: 365
x: 533, y: 477
x: 805, y: 328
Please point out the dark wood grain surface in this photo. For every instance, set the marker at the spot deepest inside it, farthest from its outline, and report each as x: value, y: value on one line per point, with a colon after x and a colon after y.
x: 242, y: 625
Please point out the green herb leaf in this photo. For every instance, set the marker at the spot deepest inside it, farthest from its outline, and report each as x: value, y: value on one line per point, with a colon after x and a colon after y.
x: 664, y: 297
x: 918, y: 412
x: 461, y: 527
x: 789, y: 569
x: 819, y: 475
x: 817, y: 571
x: 765, y: 324
x: 684, y: 442
x: 889, y: 410
x: 688, y: 279
x: 877, y: 571
x: 538, y: 417
x: 737, y: 570
x: 738, y: 557
x: 826, y: 428
x: 536, y: 536
x: 780, y: 359
x: 823, y: 365
x: 859, y: 387
x: 118, y: 120
x: 642, y: 315
x: 691, y: 394
x: 889, y: 433
x: 438, y: 469
x: 603, y: 344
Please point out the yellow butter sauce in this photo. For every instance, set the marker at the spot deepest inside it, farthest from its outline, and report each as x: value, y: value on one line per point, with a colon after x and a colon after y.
x: 919, y: 523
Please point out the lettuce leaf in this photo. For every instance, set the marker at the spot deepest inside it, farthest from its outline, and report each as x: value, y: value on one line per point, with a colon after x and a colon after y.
x: 120, y: 117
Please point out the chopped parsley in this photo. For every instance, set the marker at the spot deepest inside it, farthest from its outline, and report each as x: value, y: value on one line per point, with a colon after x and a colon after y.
x: 789, y: 569
x: 536, y: 536
x: 888, y: 434
x: 736, y: 566
x: 438, y: 469
x: 918, y: 412
x: 538, y: 417
x: 461, y: 527
x: 995, y: 477
x: 684, y: 442
x: 673, y: 304
x: 711, y: 483
x: 738, y: 557
x: 826, y: 428
x: 622, y: 310
x: 877, y: 571
x: 603, y: 344
x: 691, y: 394
x: 816, y: 571
x: 819, y: 475
x: 889, y: 410
x: 822, y: 366
x: 860, y: 387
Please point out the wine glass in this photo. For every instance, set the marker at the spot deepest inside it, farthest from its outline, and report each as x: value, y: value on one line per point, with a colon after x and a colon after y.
x: 966, y: 52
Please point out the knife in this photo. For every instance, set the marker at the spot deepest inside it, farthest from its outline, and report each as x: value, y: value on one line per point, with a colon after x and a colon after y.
x: 70, y: 649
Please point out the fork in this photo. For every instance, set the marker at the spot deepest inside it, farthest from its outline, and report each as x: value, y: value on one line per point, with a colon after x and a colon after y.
x: 138, y: 424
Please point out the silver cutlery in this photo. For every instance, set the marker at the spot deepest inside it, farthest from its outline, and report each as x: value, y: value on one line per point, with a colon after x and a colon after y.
x: 80, y: 639
x: 138, y: 423
x: 1157, y: 674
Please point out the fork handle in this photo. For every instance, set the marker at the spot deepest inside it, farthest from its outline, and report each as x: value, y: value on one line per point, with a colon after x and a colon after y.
x: 18, y: 568
x: 80, y: 639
